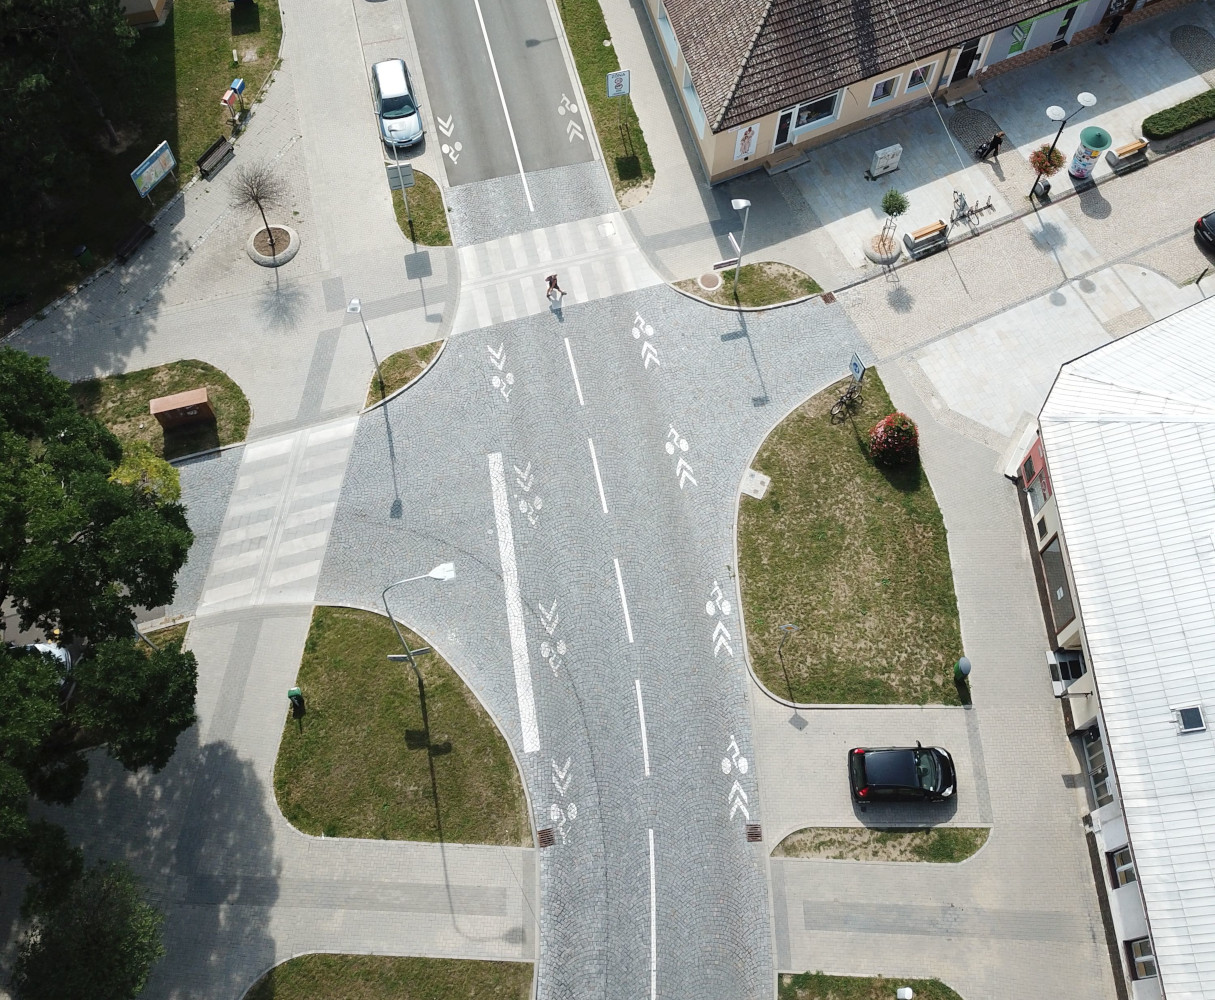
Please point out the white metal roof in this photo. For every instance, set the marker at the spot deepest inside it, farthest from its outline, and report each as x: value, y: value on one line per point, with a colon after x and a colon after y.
x: 1129, y: 432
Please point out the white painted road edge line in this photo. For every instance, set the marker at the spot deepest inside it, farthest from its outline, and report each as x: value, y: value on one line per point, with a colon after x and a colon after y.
x: 628, y: 623
x: 514, y: 606
x: 577, y: 385
x: 645, y: 743
x: 505, y: 111
x: 653, y: 927
x: 598, y: 481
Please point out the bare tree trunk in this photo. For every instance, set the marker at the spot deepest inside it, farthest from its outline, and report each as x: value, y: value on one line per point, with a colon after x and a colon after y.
x: 269, y: 231
x: 88, y: 90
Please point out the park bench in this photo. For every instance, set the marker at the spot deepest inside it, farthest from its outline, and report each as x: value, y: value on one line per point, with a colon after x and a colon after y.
x: 136, y: 238
x: 1130, y: 157
x: 215, y: 156
x: 926, y: 240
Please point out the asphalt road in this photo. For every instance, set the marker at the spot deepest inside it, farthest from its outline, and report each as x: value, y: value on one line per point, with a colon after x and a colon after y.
x: 605, y: 642
x: 501, y: 100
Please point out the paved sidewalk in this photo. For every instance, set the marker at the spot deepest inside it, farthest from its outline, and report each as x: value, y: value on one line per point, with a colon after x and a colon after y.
x: 242, y: 889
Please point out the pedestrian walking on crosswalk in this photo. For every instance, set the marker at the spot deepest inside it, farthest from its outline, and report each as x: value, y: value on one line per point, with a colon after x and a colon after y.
x: 553, y: 287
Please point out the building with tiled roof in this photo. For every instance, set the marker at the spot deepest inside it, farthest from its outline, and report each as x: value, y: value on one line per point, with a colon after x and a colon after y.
x: 760, y: 81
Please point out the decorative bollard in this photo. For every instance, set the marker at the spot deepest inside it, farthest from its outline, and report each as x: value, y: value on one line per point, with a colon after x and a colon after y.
x: 296, y: 697
x: 961, y: 670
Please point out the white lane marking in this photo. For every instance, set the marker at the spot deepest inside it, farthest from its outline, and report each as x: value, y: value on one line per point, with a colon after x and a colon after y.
x: 599, y: 483
x: 653, y: 927
x: 577, y: 385
x: 628, y: 623
x: 505, y: 111
x: 514, y: 606
x: 645, y: 743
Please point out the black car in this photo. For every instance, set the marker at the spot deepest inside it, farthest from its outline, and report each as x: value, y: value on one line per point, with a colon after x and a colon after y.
x: 1204, y: 229
x: 901, y: 774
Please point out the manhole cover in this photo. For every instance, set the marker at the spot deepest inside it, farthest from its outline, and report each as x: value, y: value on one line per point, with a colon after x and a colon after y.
x: 547, y: 837
x: 755, y: 484
x: 828, y: 297
x: 755, y: 833
x: 709, y: 282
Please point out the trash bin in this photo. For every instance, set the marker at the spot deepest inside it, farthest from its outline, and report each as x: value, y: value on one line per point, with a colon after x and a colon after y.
x: 84, y: 257
x: 1093, y: 142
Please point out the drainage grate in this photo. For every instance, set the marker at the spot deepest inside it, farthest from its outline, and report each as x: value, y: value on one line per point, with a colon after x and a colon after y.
x: 755, y: 833
x: 828, y: 297
x: 547, y: 837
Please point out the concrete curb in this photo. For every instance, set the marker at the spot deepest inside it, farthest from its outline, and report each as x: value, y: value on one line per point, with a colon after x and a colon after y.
x: 413, y: 381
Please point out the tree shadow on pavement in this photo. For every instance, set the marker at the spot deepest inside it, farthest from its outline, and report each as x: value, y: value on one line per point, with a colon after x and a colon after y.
x: 281, y: 303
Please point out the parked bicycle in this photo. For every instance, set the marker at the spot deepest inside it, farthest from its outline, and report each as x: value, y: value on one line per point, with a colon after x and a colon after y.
x: 849, y: 401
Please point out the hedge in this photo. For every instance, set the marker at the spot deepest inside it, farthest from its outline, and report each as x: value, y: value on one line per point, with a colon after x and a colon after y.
x: 1180, y: 117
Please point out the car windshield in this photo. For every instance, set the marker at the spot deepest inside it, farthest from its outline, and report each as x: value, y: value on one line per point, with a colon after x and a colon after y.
x: 398, y: 107
x: 927, y: 769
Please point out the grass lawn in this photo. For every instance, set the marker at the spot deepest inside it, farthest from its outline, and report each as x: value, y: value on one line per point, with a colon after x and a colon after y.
x: 169, y: 636
x: 853, y: 555
x: 179, y: 72
x: 624, y: 149
x: 376, y: 977
x: 940, y: 844
x: 359, y: 765
x: 121, y: 403
x: 400, y: 369
x: 762, y: 284
x: 816, y: 986
x: 427, y: 211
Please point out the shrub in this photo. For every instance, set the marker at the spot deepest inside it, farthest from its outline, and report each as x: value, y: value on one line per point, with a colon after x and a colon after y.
x: 894, y: 440
x: 1045, y: 160
x: 1180, y: 117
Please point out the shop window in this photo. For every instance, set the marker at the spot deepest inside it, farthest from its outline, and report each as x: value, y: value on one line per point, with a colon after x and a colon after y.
x: 1142, y: 961
x: 816, y: 112
x: 1057, y: 590
x: 1122, y: 867
x: 1098, y: 769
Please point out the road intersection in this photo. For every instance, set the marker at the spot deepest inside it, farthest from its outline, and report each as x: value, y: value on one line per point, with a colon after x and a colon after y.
x: 580, y: 465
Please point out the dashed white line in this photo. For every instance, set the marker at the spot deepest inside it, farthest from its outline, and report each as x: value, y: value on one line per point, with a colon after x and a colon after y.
x: 645, y: 743
x: 628, y: 623
x: 577, y: 385
x: 598, y: 480
x: 514, y: 606
x: 653, y: 927
x: 505, y: 111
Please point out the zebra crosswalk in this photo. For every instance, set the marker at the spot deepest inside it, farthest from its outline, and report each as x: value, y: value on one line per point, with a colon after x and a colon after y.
x: 503, y: 279
x: 272, y: 541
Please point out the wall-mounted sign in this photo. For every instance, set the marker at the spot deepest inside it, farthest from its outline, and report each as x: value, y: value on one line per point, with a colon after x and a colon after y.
x: 744, y: 142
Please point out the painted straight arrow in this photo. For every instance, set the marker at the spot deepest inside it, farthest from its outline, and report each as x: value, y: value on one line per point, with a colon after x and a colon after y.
x: 446, y: 126
x: 684, y: 472
x: 548, y: 616
x: 560, y: 779
x: 572, y: 130
x: 649, y: 353
x: 721, y: 639
x: 737, y: 798
x: 498, y: 357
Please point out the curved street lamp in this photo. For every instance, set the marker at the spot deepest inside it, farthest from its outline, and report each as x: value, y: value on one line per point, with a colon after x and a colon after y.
x: 1057, y: 114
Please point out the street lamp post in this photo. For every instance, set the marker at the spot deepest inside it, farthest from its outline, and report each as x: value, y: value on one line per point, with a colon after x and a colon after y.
x: 1057, y: 114
x: 744, y: 206
x: 355, y: 306
x: 444, y: 571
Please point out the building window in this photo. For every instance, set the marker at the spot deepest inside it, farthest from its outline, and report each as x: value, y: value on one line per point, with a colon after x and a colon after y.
x: 811, y: 113
x: 695, y: 111
x: 1057, y: 590
x: 1042, y: 529
x: 668, y: 34
x: 885, y: 90
x: 1039, y: 492
x: 1098, y: 769
x: 1190, y: 720
x: 921, y: 76
x: 1143, y: 962
x: 1122, y: 867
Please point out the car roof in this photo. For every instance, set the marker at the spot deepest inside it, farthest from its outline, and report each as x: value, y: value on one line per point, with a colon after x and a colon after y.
x: 891, y: 766
x: 391, y: 75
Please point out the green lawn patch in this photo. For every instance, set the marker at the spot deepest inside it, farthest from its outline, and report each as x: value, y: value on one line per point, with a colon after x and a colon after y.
x: 171, y: 635
x: 377, y: 977
x: 180, y: 70
x: 939, y: 845
x: 856, y: 557
x: 400, y: 369
x: 624, y: 149
x: 427, y: 211
x: 1180, y: 117
x: 121, y: 403
x: 816, y: 986
x: 765, y: 283
x: 359, y: 764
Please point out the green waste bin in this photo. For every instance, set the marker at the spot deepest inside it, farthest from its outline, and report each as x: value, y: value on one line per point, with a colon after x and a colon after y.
x: 84, y: 257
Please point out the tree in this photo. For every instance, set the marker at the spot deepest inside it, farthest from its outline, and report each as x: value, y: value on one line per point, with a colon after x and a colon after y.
x: 257, y: 186
x: 894, y: 204
x: 100, y: 940
x: 79, y: 551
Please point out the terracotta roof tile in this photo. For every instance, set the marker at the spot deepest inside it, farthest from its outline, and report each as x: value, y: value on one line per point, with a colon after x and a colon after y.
x: 749, y: 58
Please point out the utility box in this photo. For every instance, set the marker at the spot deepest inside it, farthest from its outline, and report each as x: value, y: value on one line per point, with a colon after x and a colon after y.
x: 182, y: 408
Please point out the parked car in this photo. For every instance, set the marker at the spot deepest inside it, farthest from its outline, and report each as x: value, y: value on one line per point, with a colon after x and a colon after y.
x: 1204, y: 229
x: 395, y: 104
x: 901, y: 774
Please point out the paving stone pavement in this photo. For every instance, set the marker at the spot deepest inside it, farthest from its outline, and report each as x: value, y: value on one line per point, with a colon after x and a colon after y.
x: 503, y: 279
x: 1024, y: 910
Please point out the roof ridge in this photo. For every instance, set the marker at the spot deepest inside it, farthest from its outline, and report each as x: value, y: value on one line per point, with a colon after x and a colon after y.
x: 742, y: 66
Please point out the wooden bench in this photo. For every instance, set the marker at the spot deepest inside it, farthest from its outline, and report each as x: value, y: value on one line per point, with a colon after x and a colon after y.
x: 136, y: 238
x: 1130, y: 157
x: 1130, y: 149
x: 215, y: 157
x: 927, y: 240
